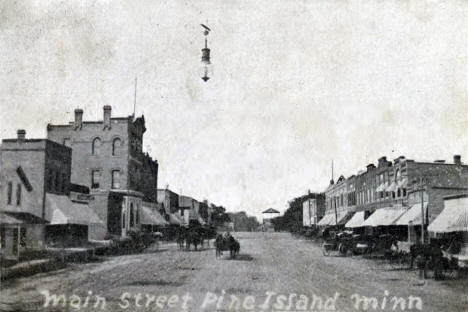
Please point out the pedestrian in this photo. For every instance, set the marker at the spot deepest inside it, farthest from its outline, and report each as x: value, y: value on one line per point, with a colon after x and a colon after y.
x: 421, y: 264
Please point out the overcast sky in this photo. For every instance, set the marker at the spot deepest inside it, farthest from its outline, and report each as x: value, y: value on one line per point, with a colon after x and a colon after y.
x: 296, y: 84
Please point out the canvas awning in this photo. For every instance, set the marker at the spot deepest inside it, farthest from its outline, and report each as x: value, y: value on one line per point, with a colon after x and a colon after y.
x: 61, y: 210
x: 453, y: 218
x: 356, y: 220
x: 174, y: 219
x: 392, y: 187
x: 9, y: 220
x: 412, y: 215
x: 151, y: 216
x: 326, y: 219
x: 384, y: 216
x: 381, y: 187
x: 402, y: 183
x: 332, y: 219
x: 200, y: 219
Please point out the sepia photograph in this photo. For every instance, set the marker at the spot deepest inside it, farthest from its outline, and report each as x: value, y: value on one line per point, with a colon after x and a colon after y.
x: 244, y: 155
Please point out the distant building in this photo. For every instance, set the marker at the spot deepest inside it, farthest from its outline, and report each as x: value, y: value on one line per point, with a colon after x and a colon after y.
x: 107, y: 157
x: 267, y: 216
x: 171, y: 209
x: 313, y: 209
x: 39, y: 205
x: 387, y: 194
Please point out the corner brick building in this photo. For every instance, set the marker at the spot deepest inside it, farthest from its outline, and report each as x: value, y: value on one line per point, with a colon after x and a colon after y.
x: 107, y: 157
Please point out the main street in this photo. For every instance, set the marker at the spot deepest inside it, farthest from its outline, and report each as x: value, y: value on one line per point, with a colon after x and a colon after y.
x: 271, y: 273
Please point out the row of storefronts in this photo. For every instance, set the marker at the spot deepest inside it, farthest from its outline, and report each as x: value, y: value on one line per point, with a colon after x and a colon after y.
x: 87, y: 181
x: 401, y: 197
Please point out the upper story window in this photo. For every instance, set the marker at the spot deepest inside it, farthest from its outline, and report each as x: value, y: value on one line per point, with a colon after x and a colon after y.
x: 116, y: 145
x: 50, y: 181
x: 9, y: 192
x: 115, y: 179
x: 95, y: 179
x: 137, y: 214
x: 397, y: 175
x: 96, y: 146
x: 18, y: 194
x: 132, y: 222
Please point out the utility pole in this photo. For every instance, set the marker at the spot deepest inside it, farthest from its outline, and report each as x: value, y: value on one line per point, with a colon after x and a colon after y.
x: 421, y: 186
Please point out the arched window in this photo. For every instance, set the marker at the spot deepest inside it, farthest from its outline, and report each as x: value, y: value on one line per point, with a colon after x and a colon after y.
x: 95, y: 149
x: 116, y: 144
x: 132, y: 223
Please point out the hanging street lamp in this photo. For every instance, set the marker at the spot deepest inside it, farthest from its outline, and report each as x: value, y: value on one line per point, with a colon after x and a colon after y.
x: 206, y: 69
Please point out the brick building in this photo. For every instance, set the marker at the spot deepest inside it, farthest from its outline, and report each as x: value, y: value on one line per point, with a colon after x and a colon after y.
x: 397, y: 190
x: 336, y: 198
x: 107, y: 157
x: 38, y: 198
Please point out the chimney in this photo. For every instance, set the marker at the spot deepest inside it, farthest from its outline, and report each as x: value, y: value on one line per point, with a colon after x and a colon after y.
x: 78, y: 118
x: 21, y: 133
x: 370, y: 167
x: 457, y: 159
x: 382, y: 161
x: 107, y: 116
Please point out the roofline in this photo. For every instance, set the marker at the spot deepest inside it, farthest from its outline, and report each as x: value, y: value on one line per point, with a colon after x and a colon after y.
x: 456, y: 196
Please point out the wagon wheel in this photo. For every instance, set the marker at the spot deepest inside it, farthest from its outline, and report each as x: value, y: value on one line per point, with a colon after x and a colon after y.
x: 343, y: 249
x: 325, y: 250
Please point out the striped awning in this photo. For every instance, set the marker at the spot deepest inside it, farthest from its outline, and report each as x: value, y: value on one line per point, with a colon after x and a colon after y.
x: 384, y: 216
x: 356, y: 220
x: 454, y: 218
x: 413, y: 215
x: 332, y: 219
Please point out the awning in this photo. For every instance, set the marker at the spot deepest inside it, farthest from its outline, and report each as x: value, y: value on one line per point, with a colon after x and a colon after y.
x: 174, y: 219
x: 384, y: 216
x: 454, y: 218
x: 332, y: 219
x: 356, y: 220
x: 326, y: 219
x: 381, y: 187
x: 412, y: 215
x: 9, y: 220
x: 61, y: 210
x: 200, y: 219
x: 402, y: 183
x: 392, y: 187
x: 151, y: 216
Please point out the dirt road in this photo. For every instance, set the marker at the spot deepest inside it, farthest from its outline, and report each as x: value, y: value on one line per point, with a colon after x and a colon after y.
x: 274, y: 272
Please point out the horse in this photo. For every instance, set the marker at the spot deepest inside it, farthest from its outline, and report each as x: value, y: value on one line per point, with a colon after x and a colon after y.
x: 229, y: 243
x: 194, y: 238
x: 180, y: 239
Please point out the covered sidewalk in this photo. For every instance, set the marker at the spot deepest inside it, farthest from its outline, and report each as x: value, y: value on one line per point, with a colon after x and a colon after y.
x: 335, y: 219
x: 61, y: 210
x: 384, y: 216
x: 356, y: 221
x: 412, y: 215
x: 150, y: 216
